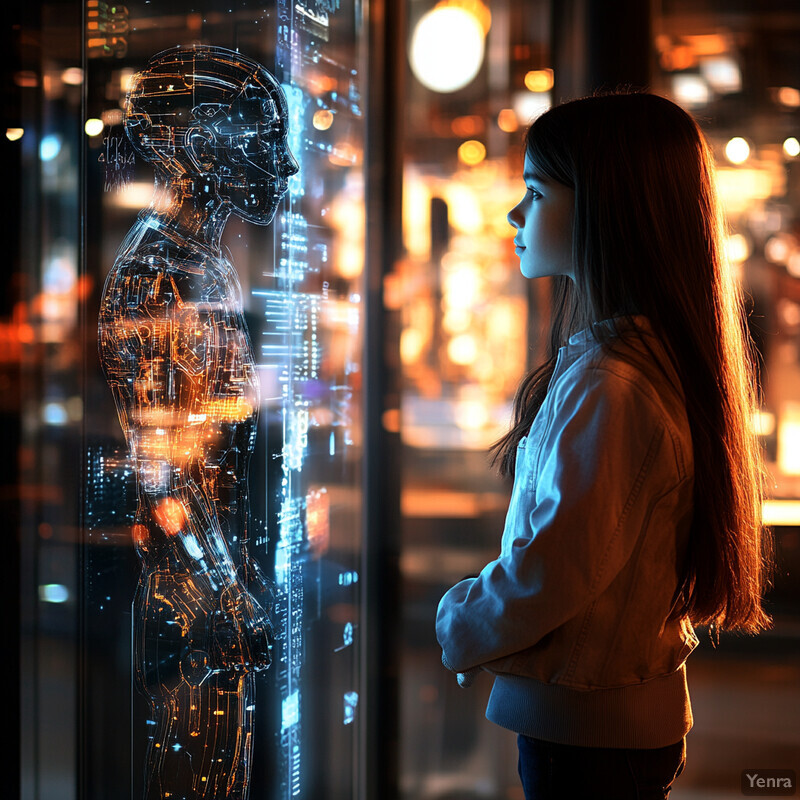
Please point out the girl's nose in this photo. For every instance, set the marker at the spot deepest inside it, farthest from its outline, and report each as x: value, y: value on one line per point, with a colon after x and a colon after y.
x: 513, y: 218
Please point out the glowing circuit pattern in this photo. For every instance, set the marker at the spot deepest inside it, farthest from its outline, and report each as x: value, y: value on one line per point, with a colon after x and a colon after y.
x: 179, y: 360
x: 310, y: 353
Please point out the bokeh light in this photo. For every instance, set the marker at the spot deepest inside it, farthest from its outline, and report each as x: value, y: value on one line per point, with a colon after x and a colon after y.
x: 50, y: 147
x: 737, y: 150
x: 507, y: 120
x: 539, y: 80
x: 93, y: 126
x: 791, y: 147
x: 322, y: 119
x: 73, y: 76
x: 447, y: 49
x: 471, y: 152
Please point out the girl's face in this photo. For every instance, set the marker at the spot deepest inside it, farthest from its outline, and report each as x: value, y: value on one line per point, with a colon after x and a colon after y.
x: 543, y: 219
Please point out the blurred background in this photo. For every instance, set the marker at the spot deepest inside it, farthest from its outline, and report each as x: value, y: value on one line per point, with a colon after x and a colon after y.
x: 392, y: 326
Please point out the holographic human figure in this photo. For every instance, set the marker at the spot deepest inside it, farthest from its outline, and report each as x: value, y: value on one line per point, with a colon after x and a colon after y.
x: 178, y: 357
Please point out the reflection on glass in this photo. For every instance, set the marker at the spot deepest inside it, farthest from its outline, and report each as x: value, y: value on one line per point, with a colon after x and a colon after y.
x: 178, y: 357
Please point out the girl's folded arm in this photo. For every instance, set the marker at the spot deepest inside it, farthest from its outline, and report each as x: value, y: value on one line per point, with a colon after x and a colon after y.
x: 602, y: 467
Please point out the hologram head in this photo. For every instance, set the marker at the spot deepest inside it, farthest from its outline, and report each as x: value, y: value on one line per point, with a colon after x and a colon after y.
x: 211, y: 112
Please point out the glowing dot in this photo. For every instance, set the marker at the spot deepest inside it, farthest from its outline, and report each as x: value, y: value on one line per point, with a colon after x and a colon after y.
x: 50, y: 147
x: 472, y: 152
x: 53, y: 593
x: 791, y: 147
x: 72, y: 76
x: 737, y: 151
x: 447, y: 48
x: 13, y: 134
x: 789, y: 96
x: 507, y: 120
x: 55, y: 414
x: 322, y: 119
x: 690, y: 89
x: 93, y: 126
x: 539, y: 80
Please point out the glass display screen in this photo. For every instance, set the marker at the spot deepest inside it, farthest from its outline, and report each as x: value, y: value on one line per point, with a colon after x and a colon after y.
x: 210, y: 254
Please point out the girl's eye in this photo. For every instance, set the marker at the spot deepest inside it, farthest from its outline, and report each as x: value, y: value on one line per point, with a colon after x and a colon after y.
x: 536, y: 195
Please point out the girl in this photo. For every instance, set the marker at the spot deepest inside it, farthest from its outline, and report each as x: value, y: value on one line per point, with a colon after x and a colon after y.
x: 636, y: 505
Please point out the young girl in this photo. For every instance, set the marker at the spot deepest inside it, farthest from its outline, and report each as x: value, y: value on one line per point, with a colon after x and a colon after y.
x: 636, y: 507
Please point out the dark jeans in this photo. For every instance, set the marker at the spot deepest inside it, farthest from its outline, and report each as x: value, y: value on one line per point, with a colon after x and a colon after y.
x: 552, y: 771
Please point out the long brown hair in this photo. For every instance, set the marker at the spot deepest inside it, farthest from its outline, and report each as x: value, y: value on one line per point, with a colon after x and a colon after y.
x: 647, y: 240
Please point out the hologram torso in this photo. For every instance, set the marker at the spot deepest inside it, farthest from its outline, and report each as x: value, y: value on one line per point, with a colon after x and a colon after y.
x: 178, y: 358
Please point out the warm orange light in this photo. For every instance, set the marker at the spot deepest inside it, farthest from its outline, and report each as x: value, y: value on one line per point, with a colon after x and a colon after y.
x: 763, y: 422
x: 471, y: 414
x: 232, y: 409
x: 779, y: 248
x: 678, y: 58
x: 471, y: 152
x: 73, y: 76
x: 412, y: 343
x: 350, y: 259
x: 170, y: 515
x: 737, y: 248
x: 391, y: 420
x: 789, y: 96
x: 318, y: 524
x: 462, y: 349
x: 474, y: 7
x: 322, y: 119
x: 469, y: 125
x: 139, y: 534
x: 507, y: 120
x: 539, y: 80
x: 319, y: 84
x: 344, y: 154
x: 26, y: 79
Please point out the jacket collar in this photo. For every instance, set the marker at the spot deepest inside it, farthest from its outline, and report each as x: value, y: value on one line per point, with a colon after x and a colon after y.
x: 584, y: 340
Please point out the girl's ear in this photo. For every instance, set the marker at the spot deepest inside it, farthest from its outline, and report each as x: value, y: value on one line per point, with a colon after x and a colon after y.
x: 201, y: 146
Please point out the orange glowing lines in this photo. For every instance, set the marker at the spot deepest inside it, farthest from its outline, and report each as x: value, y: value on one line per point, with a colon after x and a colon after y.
x: 177, y: 355
x: 236, y: 409
x: 139, y: 534
x: 170, y: 515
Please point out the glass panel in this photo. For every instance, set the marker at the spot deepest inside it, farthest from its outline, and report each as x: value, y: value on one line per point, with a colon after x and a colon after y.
x: 196, y: 483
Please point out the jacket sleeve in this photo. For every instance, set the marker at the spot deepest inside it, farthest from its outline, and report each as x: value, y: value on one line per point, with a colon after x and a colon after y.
x: 572, y: 533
